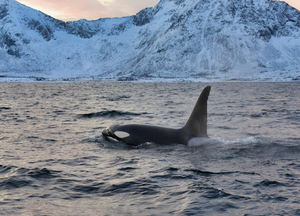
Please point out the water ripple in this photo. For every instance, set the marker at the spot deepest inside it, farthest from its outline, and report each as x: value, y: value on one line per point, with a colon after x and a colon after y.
x: 110, y: 114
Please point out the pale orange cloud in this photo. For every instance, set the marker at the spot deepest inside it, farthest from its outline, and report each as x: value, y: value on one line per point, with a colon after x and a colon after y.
x: 294, y: 3
x: 68, y: 10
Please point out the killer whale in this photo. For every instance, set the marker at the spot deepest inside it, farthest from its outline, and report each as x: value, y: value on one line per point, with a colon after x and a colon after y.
x: 135, y: 134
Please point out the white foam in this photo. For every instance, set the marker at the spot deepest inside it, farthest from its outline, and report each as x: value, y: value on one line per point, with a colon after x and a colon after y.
x: 246, y: 141
x: 249, y: 140
x: 198, y: 141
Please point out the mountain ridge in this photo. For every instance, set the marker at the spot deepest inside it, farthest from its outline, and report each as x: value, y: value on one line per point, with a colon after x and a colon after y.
x: 201, y: 39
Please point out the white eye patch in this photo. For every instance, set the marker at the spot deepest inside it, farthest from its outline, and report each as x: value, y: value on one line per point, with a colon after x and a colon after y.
x: 121, y: 134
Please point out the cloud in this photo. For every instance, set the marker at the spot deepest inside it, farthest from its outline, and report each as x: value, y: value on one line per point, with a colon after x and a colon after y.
x: 294, y: 3
x: 89, y: 9
x: 68, y: 10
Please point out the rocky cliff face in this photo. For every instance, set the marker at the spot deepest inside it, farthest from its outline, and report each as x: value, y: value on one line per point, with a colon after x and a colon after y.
x: 205, y: 39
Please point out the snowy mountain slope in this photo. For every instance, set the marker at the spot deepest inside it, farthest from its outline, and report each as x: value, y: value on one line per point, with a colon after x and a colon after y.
x: 204, y: 39
x: 31, y: 41
x: 221, y: 36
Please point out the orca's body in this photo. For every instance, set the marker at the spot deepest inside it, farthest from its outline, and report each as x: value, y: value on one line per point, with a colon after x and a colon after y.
x: 134, y: 134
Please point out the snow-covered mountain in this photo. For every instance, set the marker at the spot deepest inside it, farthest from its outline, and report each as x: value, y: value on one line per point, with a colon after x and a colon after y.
x: 197, y: 39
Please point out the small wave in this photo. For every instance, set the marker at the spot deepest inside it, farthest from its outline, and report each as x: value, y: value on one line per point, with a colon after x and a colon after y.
x: 127, y: 168
x: 42, y: 173
x: 274, y: 198
x: 21, y: 177
x: 172, y: 173
x: 14, y: 182
x: 4, y: 138
x: 94, y: 188
x: 142, y: 187
x: 213, y: 193
x: 104, y: 189
x: 256, y: 115
x: 4, y: 108
x: 109, y: 113
x: 209, y: 173
x: 269, y: 183
x: 5, y: 169
x: 118, y: 98
x: 275, y: 110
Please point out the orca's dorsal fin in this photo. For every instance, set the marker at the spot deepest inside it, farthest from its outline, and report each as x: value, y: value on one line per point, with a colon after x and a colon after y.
x: 196, y: 126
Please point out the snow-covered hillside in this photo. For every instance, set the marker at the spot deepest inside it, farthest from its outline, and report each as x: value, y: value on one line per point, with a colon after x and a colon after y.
x: 183, y: 39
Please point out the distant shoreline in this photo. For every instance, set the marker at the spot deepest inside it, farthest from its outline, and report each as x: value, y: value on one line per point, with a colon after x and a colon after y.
x: 141, y: 80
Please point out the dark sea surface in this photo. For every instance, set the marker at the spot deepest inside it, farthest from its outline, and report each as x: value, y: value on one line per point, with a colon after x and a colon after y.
x: 54, y: 160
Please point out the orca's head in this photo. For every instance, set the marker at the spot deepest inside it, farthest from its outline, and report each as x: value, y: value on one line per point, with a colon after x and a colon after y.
x: 113, y: 132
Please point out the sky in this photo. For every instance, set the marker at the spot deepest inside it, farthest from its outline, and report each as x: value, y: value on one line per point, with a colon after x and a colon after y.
x: 71, y: 10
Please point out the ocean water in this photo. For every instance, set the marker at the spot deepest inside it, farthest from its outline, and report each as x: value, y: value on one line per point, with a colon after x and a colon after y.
x: 54, y: 160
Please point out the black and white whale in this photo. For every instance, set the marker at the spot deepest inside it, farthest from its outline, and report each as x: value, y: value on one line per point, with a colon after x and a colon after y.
x: 135, y: 134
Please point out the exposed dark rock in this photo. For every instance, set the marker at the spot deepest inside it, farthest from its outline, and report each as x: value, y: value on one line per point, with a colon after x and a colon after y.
x: 3, y: 11
x: 14, y: 52
x: 143, y: 17
x: 6, y: 41
x: 44, y: 30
